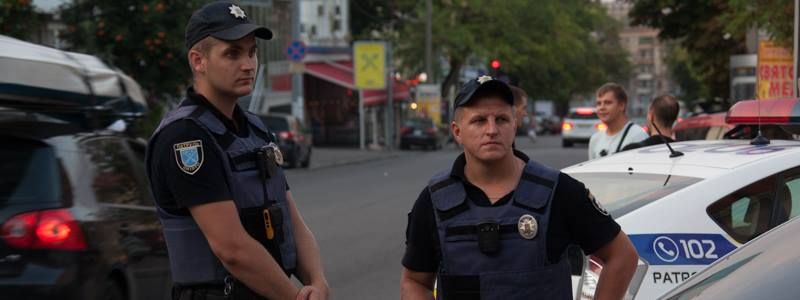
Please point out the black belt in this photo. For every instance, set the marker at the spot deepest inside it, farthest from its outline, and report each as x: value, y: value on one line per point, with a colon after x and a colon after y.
x: 462, y: 287
x: 199, y: 292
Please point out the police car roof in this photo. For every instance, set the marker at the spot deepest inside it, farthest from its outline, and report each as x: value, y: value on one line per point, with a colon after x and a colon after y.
x: 702, y: 159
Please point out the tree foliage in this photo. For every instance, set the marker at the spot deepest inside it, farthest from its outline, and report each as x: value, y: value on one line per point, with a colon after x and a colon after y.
x: 557, y: 49
x: 144, y: 38
x: 711, y: 31
x: 17, y: 18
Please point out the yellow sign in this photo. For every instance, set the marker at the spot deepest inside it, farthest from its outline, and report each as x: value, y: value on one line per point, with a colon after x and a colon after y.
x: 774, y: 71
x: 369, y: 65
x: 429, y: 100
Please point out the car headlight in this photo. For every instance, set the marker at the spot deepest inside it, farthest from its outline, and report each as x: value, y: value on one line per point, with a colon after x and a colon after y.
x: 591, y: 277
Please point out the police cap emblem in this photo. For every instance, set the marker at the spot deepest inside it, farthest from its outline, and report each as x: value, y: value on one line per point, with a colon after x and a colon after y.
x: 527, y: 226
x: 189, y: 156
x: 237, y: 12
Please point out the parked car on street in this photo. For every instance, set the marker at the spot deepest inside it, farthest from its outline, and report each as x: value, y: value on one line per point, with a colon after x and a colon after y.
x: 420, y: 132
x: 765, y: 268
x: 294, y: 140
x: 579, y: 125
x: 77, y: 220
x: 683, y: 212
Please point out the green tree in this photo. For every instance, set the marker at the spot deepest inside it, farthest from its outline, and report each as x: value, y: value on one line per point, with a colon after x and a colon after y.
x: 18, y: 18
x: 774, y: 16
x: 710, y: 31
x: 144, y: 38
x: 557, y: 48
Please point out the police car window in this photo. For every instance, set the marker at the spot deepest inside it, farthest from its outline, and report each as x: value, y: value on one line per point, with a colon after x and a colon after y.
x: 113, y: 177
x: 29, y: 172
x: 621, y: 193
x: 747, y: 212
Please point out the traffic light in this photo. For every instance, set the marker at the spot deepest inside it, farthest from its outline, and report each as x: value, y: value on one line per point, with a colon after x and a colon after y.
x: 495, y: 64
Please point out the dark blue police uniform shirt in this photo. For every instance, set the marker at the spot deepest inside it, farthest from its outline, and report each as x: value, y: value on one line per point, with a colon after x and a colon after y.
x: 175, y: 190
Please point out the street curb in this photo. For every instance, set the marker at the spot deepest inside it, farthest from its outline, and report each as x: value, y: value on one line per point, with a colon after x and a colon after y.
x: 347, y: 162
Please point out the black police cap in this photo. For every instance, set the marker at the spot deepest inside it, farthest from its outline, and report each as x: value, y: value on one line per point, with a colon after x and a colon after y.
x: 224, y: 20
x: 483, y: 84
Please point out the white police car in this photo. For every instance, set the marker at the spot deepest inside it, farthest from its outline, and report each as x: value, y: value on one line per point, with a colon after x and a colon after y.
x: 684, y: 212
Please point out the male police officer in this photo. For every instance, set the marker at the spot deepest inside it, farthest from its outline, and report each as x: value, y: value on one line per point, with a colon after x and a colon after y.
x: 231, y: 226
x: 497, y: 224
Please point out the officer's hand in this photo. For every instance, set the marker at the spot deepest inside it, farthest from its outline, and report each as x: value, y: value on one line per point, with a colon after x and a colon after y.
x: 309, y: 293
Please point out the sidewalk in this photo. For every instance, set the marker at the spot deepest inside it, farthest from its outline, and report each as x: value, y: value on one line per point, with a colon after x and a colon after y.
x: 331, y: 157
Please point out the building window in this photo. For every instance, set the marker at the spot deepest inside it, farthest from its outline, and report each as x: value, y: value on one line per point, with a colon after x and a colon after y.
x: 337, y: 25
x: 646, y: 40
x: 313, y: 30
x: 646, y: 53
x: 320, y: 10
x: 338, y: 11
x: 302, y: 27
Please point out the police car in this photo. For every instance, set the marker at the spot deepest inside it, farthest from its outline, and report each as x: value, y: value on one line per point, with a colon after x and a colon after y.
x: 683, y: 212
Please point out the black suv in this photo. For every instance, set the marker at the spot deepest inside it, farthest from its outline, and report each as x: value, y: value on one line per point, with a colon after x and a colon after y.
x: 77, y: 220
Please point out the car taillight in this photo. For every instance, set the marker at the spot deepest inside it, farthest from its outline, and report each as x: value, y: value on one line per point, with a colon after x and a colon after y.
x: 405, y: 130
x: 286, y: 135
x: 47, y: 229
x: 567, y: 126
x: 601, y: 126
x: 430, y: 131
x: 591, y: 277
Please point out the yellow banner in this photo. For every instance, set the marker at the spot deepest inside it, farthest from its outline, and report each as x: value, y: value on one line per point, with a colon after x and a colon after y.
x: 369, y: 65
x: 774, y: 71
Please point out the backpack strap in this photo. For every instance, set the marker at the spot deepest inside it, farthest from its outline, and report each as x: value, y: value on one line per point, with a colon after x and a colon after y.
x: 624, y: 134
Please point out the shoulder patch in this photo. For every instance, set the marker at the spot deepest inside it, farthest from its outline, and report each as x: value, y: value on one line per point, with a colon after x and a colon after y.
x: 189, y: 156
x: 596, y: 203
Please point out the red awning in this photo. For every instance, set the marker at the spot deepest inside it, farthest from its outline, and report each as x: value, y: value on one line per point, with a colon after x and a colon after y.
x: 341, y: 73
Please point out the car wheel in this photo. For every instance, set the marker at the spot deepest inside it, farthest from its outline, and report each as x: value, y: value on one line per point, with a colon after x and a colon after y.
x: 566, y: 143
x: 112, y: 291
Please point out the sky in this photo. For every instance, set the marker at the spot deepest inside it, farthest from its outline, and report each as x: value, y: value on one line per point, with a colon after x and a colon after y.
x: 48, y: 5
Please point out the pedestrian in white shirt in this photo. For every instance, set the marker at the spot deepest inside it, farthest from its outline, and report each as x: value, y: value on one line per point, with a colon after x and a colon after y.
x: 612, y: 101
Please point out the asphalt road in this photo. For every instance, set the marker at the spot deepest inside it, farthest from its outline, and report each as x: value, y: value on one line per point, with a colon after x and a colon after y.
x: 358, y: 212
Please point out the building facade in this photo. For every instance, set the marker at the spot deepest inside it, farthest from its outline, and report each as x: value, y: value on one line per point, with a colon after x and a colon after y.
x: 647, y: 54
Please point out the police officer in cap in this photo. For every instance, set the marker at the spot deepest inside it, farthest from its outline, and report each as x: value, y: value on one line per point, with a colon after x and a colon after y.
x: 232, y: 229
x: 497, y: 224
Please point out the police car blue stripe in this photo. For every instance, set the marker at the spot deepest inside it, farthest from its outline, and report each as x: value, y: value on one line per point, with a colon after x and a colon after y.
x: 681, y: 248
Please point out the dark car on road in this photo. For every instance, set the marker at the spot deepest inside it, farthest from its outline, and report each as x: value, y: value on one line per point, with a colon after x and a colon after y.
x: 77, y: 220
x: 293, y: 139
x: 420, y: 132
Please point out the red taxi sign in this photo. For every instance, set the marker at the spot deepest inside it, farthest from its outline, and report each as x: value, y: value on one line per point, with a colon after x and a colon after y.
x: 776, y: 112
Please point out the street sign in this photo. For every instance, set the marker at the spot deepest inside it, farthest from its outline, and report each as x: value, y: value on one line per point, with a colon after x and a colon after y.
x: 775, y: 74
x: 429, y: 101
x: 296, y: 51
x: 369, y: 65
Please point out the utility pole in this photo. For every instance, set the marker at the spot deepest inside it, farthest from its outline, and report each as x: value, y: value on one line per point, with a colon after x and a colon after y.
x: 428, y: 34
x: 389, y: 98
x: 795, y: 51
x: 297, y: 77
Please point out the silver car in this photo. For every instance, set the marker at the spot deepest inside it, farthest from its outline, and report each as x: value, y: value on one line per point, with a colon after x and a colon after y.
x: 579, y: 125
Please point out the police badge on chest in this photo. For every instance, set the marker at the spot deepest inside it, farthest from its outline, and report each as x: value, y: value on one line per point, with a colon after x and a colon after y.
x: 269, y: 158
